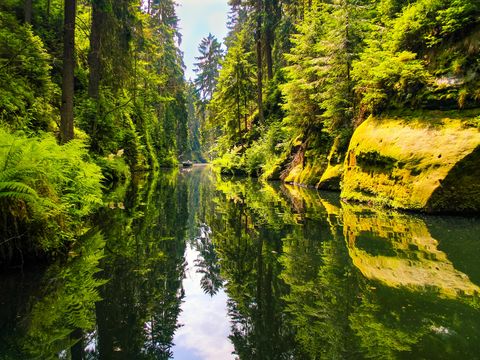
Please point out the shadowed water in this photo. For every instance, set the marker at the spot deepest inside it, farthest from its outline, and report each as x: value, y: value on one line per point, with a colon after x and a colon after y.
x: 191, y: 266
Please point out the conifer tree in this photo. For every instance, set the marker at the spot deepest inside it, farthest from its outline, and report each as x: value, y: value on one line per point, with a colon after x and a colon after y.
x: 207, y: 66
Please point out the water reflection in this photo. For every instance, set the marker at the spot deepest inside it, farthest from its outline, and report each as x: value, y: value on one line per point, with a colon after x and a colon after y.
x: 52, y: 315
x: 311, y: 277
x: 193, y: 266
x: 137, y: 317
x: 207, y: 262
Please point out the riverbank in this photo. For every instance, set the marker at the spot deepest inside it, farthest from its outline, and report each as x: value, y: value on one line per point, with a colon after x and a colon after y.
x: 425, y: 161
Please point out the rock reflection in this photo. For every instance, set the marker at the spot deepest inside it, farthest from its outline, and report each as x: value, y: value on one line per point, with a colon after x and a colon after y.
x: 349, y: 281
x: 398, y: 250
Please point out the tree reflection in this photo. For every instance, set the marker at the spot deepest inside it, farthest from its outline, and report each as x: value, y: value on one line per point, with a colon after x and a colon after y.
x: 55, y: 312
x: 207, y: 262
x: 141, y: 301
x: 247, y: 235
x: 307, y: 277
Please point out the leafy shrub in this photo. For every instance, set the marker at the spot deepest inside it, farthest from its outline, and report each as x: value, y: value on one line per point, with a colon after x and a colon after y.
x: 385, y: 79
x: 114, y: 168
x: 46, y: 192
x: 267, y: 155
x: 231, y: 163
x: 431, y: 21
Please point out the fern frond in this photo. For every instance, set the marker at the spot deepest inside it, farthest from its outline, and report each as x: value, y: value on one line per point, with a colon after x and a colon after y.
x: 13, y: 156
x: 16, y: 190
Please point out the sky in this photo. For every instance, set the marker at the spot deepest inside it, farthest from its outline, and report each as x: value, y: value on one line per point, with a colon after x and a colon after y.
x: 206, y: 325
x: 197, y: 19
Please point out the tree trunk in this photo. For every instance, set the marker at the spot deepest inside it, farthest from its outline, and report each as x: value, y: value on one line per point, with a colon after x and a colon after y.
x: 268, y: 54
x: 28, y: 11
x: 66, y: 124
x: 245, y: 118
x: 348, y: 52
x: 239, y: 116
x: 94, y: 63
x: 270, y: 9
x: 258, y: 38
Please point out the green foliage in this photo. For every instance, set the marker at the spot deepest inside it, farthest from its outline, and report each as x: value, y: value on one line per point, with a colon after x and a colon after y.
x: 207, y: 67
x: 68, y: 301
x: 233, y: 99
x: 343, y: 61
x: 196, y: 121
x: 231, y: 162
x: 46, y: 190
x: 26, y: 89
x: 428, y: 22
x: 385, y: 79
x: 422, y: 60
x: 114, y: 168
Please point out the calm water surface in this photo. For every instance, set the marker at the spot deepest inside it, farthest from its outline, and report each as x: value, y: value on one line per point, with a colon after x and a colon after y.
x: 190, y: 266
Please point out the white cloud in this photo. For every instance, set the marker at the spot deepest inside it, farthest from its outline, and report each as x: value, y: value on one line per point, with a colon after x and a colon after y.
x: 197, y: 19
x: 206, y: 325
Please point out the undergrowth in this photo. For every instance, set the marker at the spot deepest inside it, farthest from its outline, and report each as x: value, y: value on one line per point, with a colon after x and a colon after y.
x: 46, y: 193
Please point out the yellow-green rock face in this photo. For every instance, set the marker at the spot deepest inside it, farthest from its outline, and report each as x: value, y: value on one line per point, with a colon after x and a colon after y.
x: 417, y: 163
x: 319, y: 170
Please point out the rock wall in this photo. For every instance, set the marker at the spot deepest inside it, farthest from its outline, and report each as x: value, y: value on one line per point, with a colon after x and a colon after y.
x: 428, y: 163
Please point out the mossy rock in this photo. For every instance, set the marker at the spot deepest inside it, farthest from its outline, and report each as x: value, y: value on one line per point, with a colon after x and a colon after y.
x: 427, y: 164
x: 308, y: 174
x: 332, y: 176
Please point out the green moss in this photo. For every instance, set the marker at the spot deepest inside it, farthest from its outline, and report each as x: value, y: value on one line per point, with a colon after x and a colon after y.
x: 408, y: 163
x: 461, y: 188
x: 332, y: 175
x: 375, y: 160
x: 310, y: 174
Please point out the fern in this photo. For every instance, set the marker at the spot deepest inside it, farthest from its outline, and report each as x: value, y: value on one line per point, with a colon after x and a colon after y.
x: 46, y: 190
x: 13, y: 156
x: 17, y: 191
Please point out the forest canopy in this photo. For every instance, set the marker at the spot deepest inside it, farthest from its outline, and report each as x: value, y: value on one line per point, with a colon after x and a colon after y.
x: 104, y: 79
x: 312, y: 71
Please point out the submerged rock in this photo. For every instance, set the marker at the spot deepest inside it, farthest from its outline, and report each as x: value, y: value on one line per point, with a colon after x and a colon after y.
x: 428, y: 164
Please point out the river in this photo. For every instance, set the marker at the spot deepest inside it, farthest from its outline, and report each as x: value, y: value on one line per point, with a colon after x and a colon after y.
x: 189, y: 266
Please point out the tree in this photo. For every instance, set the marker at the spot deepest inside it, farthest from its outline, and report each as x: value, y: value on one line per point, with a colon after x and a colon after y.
x: 194, y: 123
x: 99, y: 17
x: 208, y: 66
x: 66, y: 124
x: 233, y: 97
x: 272, y: 19
x: 303, y: 82
x: 28, y: 11
x: 258, y: 40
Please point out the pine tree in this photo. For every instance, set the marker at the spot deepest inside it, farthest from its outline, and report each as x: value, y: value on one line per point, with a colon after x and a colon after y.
x: 207, y: 66
x: 232, y: 100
